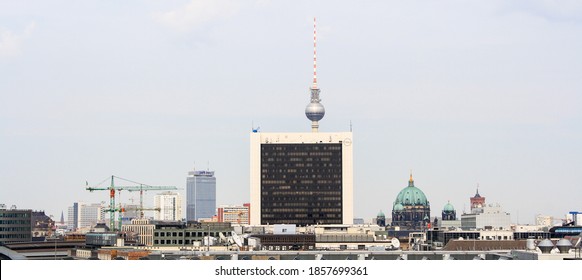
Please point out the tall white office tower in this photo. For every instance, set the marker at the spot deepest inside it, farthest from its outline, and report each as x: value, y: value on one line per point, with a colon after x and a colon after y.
x: 302, y: 178
x: 169, y: 205
x: 84, y: 216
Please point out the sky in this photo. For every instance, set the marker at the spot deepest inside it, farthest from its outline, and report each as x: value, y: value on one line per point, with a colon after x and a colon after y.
x: 463, y: 93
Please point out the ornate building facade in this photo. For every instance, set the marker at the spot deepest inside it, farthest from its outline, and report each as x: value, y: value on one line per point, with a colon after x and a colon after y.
x: 411, y: 209
x: 449, y: 213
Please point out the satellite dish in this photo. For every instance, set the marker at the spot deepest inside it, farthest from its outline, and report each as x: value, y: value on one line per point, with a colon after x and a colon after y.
x: 395, y: 243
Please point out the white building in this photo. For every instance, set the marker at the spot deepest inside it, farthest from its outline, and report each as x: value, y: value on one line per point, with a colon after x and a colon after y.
x: 489, y: 216
x: 302, y: 178
x: 84, y: 216
x: 575, y: 217
x: 544, y: 221
x: 169, y: 205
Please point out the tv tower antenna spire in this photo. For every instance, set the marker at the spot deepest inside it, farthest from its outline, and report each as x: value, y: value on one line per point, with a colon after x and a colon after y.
x: 315, y: 110
x: 314, y: 86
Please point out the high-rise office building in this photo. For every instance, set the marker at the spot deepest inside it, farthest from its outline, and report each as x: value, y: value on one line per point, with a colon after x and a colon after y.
x: 200, y: 195
x: 170, y: 206
x: 84, y: 216
x: 73, y: 216
x: 302, y: 178
x: 15, y: 225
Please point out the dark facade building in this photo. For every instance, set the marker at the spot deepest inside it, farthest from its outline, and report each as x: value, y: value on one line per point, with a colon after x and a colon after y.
x: 411, y: 209
x: 301, y: 184
x: 15, y: 225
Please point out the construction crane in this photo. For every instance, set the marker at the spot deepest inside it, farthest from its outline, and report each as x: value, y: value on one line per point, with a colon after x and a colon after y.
x: 142, y: 188
x: 112, y: 188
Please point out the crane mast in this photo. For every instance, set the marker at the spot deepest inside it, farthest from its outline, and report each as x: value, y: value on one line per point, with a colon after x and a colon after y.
x: 112, y: 188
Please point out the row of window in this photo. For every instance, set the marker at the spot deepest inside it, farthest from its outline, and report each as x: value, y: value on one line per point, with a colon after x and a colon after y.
x: 270, y: 195
x: 14, y: 215
x: 327, y: 216
x: 291, y: 196
x: 305, y: 181
x: 15, y: 236
x: 292, y: 211
x: 287, y: 165
x: 319, y: 187
x: 296, y: 178
x: 299, y: 162
x: 297, y: 154
x: 15, y: 222
x: 174, y: 242
x: 328, y: 187
x: 302, y: 204
x: 300, y: 147
x: 304, y: 221
x: 285, y: 248
x: 186, y: 234
x: 15, y: 229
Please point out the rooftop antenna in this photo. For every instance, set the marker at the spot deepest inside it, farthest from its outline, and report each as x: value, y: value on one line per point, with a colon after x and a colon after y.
x: 350, y: 125
x: 314, y: 111
x: 253, y: 129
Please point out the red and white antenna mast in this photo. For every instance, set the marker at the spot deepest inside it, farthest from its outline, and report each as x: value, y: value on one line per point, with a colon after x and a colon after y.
x: 315, y: 110
x: 314, y: 86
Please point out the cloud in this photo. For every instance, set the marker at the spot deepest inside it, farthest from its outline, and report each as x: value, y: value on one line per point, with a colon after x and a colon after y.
x: 197, y: 13
x: 11, y: 43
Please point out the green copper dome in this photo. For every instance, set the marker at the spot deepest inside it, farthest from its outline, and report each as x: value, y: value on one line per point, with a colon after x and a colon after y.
x: 398, y: 207
x: 411, y: 196
x: 449, y: 207
x: 380, y: 214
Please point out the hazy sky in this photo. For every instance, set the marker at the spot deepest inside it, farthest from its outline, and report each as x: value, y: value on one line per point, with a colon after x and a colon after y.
x: 462, y: 93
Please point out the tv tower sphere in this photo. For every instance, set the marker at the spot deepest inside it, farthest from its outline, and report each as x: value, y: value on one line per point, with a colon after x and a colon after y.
x: 314, y: 111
